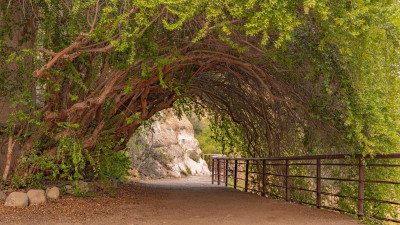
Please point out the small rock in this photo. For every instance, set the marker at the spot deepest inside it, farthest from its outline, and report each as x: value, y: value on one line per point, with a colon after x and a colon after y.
x: 18, y: 199
x: 69, y: 189
x: 36, y: 197
x: 134, y: 172
x: 82, y: 186
x: 2, y: 196
x: 52, y: 193
x: 97, y: 184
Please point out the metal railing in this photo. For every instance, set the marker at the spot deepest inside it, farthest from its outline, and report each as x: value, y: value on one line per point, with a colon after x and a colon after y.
x: 276, y: 178
x: 207, y: 158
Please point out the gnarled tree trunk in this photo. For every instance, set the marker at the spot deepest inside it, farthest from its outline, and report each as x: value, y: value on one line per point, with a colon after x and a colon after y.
x: 20, y: 24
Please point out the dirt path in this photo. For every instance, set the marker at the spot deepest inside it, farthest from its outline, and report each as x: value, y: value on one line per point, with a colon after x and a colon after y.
x: 190, y: 200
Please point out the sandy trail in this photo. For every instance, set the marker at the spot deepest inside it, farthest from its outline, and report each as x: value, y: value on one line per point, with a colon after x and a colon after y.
x: 191, y: 200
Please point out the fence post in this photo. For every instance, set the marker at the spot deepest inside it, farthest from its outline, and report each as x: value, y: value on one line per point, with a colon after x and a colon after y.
x: 360, y: 187
x: 235, y: 175
x: 264, y: 178
x: 287, y: 172
x: 226, y: 172
x: 246, y: 182
x: 212, y: 171
x: 318, y: 183
x: 219, y: 171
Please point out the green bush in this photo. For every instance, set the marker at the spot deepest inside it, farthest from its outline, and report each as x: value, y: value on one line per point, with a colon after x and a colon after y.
x: 72, y: 162
x: 207, y: 144
x: 203, y: 134
x: 115, y: 166
x: 184, y: 172
x: 188, y: 171
x: 194, y: 155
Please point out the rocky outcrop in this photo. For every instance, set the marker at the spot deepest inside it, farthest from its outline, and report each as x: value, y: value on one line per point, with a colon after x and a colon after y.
x: 168, y: 148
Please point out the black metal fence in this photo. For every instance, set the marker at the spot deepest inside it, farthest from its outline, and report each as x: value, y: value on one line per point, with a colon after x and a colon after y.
x: 208, y: 157
x: 335, y: 182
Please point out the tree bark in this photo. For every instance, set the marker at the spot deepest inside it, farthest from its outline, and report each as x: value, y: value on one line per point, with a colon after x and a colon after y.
x: 21, y: 24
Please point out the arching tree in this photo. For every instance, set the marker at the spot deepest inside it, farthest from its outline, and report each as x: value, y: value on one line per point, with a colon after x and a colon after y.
x: 285, y: 76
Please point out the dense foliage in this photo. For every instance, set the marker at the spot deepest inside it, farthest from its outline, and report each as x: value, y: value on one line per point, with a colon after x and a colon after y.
x: 277, y: 77
x: 203, y: 133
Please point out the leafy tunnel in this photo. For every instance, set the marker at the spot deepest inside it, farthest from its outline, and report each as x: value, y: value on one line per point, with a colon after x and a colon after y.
x: 277, y: 77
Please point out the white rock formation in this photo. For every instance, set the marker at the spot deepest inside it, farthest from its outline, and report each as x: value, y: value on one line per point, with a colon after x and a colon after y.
x: 169, y: 149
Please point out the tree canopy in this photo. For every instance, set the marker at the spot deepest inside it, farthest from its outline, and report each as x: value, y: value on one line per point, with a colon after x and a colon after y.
x: 278, y: 77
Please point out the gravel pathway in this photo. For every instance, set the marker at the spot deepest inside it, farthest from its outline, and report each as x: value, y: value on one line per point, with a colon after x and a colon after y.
x: 191, y: 200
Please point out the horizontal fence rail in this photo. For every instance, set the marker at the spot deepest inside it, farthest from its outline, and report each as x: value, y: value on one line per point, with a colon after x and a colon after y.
x: 352, y: 184
x: 208, y: 157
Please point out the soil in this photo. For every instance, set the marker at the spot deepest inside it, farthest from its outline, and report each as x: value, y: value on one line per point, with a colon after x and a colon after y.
x: 191, y: 200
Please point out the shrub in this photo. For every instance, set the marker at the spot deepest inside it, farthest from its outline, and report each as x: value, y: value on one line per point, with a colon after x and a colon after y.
x: 194, y: 155
x: 207, y: 144
x: 183, y: 172
x: 114, y: 166
x: 188, y: 171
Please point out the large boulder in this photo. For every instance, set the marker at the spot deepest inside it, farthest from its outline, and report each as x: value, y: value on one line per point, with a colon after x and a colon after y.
x: 168, y: 148
x: 2, y: 196
x: 36, y: 197
x: 17, y: 199
x: 53, y: 193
